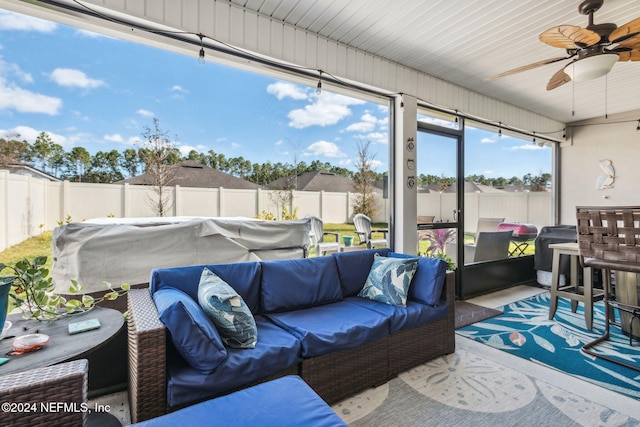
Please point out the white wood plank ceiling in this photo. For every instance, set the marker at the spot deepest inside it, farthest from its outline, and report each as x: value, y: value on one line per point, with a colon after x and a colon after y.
x: 466, y: 41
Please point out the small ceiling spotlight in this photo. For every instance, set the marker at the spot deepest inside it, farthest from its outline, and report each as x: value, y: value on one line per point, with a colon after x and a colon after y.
x: 319, y: 86
x: 201, y: 60
x: 638, y: 126
x: 499, y: 129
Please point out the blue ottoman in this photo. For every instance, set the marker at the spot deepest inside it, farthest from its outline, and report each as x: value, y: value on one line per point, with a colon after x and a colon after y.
x: 286, y: 401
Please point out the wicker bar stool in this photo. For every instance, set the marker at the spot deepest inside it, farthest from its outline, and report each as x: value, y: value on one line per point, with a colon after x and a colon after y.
x: 609, y: 238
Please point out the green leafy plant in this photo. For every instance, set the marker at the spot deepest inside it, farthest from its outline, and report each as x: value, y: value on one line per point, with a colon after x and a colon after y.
x: 33, y: 292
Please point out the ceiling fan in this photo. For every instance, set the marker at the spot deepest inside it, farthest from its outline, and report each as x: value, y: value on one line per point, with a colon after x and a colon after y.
x: 593, y: 50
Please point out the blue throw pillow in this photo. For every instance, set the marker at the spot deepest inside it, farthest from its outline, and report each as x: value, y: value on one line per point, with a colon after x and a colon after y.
x: 193, y: 334
x: 389, y: 280
x: 428, y: 280
x: 228, y: 311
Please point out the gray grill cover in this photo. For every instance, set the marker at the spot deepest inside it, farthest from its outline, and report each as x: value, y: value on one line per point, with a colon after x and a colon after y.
x: 125, y: 250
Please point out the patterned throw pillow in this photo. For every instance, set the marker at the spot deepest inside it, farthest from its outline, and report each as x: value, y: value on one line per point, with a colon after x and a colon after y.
x: 389, y: 280
x: 227, y: 310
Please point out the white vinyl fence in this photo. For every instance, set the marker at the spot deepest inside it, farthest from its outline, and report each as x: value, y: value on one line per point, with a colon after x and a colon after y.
x: 29, y: 206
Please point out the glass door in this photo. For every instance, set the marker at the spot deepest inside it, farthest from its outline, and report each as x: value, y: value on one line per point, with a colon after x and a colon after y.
x: 440, y: 190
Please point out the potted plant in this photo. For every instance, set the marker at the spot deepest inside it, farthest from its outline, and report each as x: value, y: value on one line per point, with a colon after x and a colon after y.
x: 438, y: 239
x: 33, y: 292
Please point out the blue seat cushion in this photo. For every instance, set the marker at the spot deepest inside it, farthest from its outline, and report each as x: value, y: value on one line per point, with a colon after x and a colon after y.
x: 284, y: 402
x: 276, y: 350
x: 354, y: 267
x: 427, y: 283
x: 413, y: 314
x: 193, y: 334
x: 332, y: 327
x: 244, y: 277
x: 298, y: 283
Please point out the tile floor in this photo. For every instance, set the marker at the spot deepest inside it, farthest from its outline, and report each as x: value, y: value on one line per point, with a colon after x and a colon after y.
x: 119, y: 407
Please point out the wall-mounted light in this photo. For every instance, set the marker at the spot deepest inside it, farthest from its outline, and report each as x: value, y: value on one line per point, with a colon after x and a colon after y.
x: 319, y: 86
x: 499, y: 129
x: 638, y: 126
x: 201, y: 60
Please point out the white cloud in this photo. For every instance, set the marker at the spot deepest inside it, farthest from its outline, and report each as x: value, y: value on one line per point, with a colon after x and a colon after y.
x: 367, y: 123
x: 186, y: 149
x: 326, y: 109
x: 134, y: 140
x: 235, y: 145
x: 324, y: 148
x: 179, y: 89
x: 487, y: 140
x: 21, y: 100
x: 10, y: 21
x: 69, y: 77
x: 145, y: 113
x: 283, y: 90
x: 221, y: 139
x: 279, y: 142
x: 30, y: 134
x: 531, y: 146
x: 116, y: 137
x: 377, y: 138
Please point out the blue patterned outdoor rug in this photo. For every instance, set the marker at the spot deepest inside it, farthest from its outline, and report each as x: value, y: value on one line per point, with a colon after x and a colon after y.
x: 525, y: 331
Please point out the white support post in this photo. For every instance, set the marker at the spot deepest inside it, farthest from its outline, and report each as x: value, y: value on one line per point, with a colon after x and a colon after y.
x: 406, y: 182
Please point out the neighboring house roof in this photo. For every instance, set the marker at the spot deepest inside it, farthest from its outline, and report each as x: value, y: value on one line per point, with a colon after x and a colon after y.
x: 316, y: 181
x: 193, y: 174
x: 20, y: 168
x: 469, y: 187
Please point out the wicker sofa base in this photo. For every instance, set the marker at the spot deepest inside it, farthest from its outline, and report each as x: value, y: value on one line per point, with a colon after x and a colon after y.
x: 340, y: 374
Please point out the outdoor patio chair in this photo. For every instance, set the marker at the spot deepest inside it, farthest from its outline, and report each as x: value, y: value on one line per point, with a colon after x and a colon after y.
x: 317, y: 237
x: 364, y: 232
x: 489, y: 246
x: 609, y: 238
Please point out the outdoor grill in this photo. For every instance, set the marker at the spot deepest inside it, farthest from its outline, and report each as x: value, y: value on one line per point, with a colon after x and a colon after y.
x: 522, y: 233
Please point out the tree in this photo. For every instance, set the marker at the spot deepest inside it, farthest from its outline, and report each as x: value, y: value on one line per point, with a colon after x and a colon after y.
x: 42, y: 149
x: 363, y: 181
x: 130, y: 162
x: 159, y: 156
x: 12, y: 149
x: 77, y: 162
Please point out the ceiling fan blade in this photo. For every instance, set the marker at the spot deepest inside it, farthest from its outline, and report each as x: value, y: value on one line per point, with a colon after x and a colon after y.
x: 558, y: 79
x: 569, y: 37
x: 626, y: 33
x: 527, y: 67
x: 631, y: 55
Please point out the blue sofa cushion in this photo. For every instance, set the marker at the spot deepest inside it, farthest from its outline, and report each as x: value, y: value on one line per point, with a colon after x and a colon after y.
x: 354, y: 267
x: 332, y: 327
x: 275, y: 351
x: 428, y: 280
x: 244, y: 277
x: 284, y: 402
x: 299, y: 283
x: 413, y: 314
x: 389, y: 279
x: 191, y: 331
x: 228, y: 311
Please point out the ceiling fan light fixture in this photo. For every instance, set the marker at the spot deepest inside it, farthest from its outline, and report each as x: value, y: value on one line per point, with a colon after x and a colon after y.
x: 591, y: 67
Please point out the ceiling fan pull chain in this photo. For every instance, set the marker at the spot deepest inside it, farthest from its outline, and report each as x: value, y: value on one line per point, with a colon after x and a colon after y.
x: 606, y: 96
x: 573, y: 97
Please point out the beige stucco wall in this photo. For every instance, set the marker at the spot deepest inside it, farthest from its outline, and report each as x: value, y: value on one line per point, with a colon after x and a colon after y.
x: 614, y: 138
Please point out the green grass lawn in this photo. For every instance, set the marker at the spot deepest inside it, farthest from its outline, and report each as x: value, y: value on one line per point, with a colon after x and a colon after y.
x: 29, y: 249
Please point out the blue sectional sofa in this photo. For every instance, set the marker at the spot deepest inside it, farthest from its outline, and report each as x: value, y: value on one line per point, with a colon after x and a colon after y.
x: 310, y: 322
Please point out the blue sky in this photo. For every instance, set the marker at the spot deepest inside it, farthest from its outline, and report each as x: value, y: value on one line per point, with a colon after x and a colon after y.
x: 100, y: 93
